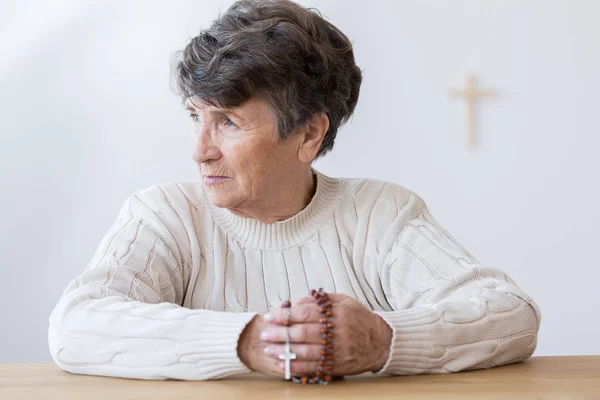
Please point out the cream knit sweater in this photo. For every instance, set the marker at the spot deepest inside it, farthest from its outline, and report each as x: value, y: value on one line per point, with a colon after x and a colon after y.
x: 176, y: 279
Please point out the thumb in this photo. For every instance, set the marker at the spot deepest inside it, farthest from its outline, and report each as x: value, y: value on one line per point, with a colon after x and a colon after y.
x: 306, y: 300
x: 334, y: 297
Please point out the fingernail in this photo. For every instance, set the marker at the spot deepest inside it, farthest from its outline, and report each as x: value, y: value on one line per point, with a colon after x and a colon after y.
x: 268, y: 317
x: 264, y: 335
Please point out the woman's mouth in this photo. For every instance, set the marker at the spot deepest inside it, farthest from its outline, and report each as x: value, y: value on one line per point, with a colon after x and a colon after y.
x: 213, y: 180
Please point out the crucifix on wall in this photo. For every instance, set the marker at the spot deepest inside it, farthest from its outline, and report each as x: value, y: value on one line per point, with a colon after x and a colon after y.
x: 471, y: 93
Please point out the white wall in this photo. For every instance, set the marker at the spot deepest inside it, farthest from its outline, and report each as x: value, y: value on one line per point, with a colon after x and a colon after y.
x: 87, y: 117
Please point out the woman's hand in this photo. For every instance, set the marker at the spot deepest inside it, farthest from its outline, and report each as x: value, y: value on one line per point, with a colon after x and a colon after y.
x: 251, y: 350
x: 361, y: 340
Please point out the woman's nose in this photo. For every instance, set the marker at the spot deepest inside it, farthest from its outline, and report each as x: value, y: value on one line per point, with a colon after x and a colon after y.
x: 205, y: 149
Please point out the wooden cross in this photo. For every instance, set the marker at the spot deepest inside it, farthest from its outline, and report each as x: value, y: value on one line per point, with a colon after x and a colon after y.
x: 471, y: 94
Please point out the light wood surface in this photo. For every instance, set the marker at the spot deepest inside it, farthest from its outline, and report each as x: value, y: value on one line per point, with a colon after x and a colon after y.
x: 537, y: 378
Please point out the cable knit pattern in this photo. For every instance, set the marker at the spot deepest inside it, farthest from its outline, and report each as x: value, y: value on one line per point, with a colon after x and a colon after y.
x: 176, y: 279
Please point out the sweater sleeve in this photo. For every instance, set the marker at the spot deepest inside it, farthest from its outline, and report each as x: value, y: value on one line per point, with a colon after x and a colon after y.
x: 122, y: 316
x: 450, y: 313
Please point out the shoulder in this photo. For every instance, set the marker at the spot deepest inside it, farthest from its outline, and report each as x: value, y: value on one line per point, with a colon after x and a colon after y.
x: 375, y: 212
x: 169, y: 202
x: 171, y: 194
x: 374, y: 194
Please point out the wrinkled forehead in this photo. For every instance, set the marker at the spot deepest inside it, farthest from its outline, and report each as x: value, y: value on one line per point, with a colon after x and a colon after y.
x: 253, y: 105
x: 196, y: 105
x: 254, y: 110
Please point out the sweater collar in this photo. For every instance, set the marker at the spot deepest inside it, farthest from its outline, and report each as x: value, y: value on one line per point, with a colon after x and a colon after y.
x: 250, y: 232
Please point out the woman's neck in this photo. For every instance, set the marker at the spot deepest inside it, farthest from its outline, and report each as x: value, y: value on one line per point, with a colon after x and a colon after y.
x: 291, y: 197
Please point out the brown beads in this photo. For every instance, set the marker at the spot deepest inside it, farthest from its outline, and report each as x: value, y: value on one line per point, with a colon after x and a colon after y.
x: 324, y: 373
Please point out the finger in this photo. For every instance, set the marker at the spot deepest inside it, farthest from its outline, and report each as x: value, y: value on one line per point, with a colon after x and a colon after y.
x: 302, y: 367
x: 334, y: 297
x: 273, y: 367
x: 306, y: 352
x: 298, y: 313
x: 337, y: 297
x: 300, y: 333
x: 306, y: 300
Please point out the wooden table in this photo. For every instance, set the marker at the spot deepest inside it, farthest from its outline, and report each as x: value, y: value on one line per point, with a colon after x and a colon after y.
x: 537, y: 378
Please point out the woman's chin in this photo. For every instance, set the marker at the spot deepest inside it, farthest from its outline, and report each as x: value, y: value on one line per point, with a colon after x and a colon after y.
x: 221, y: 200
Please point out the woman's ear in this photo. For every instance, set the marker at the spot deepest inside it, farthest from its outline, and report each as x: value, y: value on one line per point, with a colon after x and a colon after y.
x: 312, y: 137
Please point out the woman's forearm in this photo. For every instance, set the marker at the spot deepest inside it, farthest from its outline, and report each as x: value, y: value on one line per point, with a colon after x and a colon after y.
x: 469, y: 334
x: 99, y: 334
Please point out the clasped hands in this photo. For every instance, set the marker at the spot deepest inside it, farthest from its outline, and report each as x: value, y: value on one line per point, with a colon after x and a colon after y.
x: 361, y: 344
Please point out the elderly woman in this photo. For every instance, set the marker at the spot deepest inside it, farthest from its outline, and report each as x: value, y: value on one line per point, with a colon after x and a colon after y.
x: 190, y: 280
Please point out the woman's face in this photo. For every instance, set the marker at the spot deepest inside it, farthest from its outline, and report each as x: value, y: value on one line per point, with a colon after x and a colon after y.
x: 241, y: 159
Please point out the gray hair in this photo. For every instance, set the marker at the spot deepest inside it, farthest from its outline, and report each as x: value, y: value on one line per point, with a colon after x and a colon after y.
x: 279, y: 51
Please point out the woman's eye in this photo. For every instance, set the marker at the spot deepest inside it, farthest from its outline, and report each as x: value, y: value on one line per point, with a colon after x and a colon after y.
x: 229, y: 122
x: 195, y: 117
